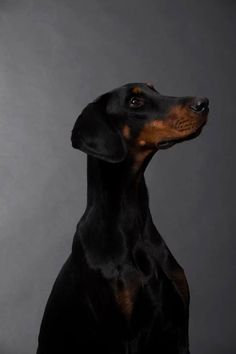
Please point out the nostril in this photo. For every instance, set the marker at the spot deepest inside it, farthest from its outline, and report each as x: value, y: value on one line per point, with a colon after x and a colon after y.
x: 200, y: 104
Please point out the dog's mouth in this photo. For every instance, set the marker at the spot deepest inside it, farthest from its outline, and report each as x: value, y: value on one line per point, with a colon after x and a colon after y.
x: 165, y: 144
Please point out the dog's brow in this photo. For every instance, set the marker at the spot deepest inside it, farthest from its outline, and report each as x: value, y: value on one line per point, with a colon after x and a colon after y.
x: 136, y: 90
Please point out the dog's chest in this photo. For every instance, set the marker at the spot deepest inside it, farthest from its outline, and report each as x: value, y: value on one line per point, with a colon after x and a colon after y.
x: 126, y: 287
x: 137, y: 296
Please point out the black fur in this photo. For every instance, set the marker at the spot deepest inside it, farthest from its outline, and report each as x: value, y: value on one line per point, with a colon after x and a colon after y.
x: 121, y: 291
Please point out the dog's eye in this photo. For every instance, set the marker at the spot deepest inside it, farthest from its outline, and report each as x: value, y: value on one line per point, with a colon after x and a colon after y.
x: 136, y: 102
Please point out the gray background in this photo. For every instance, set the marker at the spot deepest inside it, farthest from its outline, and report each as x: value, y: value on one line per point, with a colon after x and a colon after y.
x: 57, y: 55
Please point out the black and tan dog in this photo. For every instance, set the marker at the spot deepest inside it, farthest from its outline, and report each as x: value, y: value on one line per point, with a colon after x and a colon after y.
x: 121, y: 291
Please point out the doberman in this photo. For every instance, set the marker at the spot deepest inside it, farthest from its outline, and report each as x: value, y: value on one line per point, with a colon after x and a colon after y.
x: 121, y: 291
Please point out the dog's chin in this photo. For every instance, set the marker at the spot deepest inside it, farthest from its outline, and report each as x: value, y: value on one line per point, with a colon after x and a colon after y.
x: 168, y: 143
x: 165, y: 144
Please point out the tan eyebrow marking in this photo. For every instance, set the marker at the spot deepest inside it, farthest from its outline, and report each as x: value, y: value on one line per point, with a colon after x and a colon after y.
x: 136, y: 90
x: 126, y: 131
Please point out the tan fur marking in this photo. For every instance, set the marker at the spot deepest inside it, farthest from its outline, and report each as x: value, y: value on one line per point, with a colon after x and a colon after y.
x: 125, y: 300
x: 179, y: 123
x: 136, y: 90
x: 126, y: 131
x: 139, y: 158
x: 142, y: 142
x: 125, y: 295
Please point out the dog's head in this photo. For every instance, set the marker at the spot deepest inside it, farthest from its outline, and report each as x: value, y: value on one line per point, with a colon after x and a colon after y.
x: 136, y: 120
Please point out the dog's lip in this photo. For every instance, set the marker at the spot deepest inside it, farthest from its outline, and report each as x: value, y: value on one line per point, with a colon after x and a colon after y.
x: 165, y: 144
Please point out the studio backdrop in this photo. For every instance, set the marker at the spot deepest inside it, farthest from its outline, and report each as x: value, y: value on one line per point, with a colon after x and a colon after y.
x: 55, y: 57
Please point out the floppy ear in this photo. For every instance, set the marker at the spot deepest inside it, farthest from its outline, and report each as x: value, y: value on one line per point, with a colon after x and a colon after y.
x: 95, y: 134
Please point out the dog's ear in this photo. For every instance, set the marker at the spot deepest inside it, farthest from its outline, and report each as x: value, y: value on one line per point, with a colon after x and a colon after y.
x: 95, y: 134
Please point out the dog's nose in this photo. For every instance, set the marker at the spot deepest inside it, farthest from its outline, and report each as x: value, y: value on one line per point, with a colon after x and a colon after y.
x: 200, y: 104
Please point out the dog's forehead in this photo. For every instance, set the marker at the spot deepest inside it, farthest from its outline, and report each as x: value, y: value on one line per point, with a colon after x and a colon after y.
x: 138, y: 87
x: 118, y: 98
x: 134, y: 88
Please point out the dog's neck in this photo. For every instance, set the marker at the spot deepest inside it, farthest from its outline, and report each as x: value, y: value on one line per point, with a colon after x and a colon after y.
x: 117, y: 213
x: 115, y: 190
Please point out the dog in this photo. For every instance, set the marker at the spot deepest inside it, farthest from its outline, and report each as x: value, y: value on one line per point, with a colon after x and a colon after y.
x: 121, y: 291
